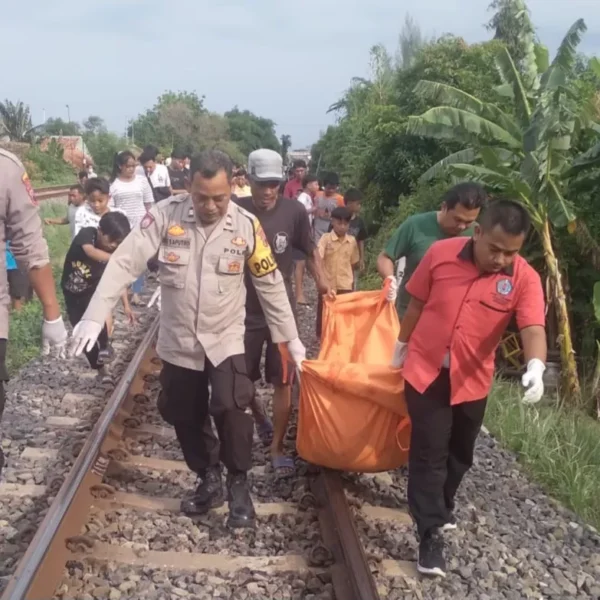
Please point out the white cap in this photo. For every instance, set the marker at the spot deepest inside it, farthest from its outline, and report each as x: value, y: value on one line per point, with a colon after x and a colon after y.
x: 265, y: 165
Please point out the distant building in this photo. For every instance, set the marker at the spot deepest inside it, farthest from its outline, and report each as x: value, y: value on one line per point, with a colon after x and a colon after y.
x: 75, y: 150
x: 303, y: 154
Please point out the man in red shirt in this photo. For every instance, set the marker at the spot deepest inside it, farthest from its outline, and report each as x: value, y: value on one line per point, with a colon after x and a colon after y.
x: 294, y: 186
x: 463, y: 295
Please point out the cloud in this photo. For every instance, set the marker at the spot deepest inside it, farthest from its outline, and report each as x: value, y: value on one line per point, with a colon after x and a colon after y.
x: 285, y: 61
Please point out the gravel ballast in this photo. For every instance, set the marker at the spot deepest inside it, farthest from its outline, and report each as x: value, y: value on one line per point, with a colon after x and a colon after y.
x: 512, y: 542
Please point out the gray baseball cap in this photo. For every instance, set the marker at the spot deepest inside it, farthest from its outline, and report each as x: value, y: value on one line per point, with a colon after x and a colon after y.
x: 265, y: 165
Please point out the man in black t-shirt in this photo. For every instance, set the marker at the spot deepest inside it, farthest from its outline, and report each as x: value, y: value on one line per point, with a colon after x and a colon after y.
x: 286, y: 226
x: 177, y: 173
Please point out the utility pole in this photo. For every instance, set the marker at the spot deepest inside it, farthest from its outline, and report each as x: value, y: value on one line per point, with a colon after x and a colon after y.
x: 68, y: 113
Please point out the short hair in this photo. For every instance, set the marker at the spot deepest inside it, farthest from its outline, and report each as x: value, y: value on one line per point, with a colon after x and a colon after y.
x: 97, y: 184
x: 511, y: 216
x: 331, y: 179
x: 82, y: 174
x: 209, y: 162
x: 342, y: 214
x: 299, y: 164
x: 309, y: 179
x: 241, y: 172
x: 469, y: 194
x: 178, y: 153
x: 151, y: 150
x: 77, y: 187
x: 145, y: 156
x: 115, y: 225
x: 353, y: 195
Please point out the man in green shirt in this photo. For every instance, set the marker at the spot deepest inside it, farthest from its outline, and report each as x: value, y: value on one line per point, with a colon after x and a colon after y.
x: 460, y: 209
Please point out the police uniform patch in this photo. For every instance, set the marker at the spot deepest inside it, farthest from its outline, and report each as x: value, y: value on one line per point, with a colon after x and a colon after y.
x: 176, y: 230
x: 261, y: 262
x: 238, y: 241
x: 146, y: 221
x: 172, y: 257
x: 29, y: 188
x: 504, y: 287
x: 234, y: 267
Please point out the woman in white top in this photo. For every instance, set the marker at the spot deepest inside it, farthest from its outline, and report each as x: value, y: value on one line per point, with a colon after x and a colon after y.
x: 133, y: 195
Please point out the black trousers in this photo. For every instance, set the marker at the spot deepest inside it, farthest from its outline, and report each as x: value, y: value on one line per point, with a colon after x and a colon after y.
x: 186, y: 403
x: 442, y: 442
x: 320, y: 311
x: 76, y: 306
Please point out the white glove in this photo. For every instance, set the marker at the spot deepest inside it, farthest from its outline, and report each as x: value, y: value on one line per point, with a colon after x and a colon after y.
x: 533, y: 381
x: 399, y: 356
x: 54, y: 335
x: 393, y: 289
x: 85, y: 335
x: 155, y: 299
x: 297, y: 352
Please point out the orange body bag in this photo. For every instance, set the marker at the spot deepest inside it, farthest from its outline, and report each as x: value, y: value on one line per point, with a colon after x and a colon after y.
x: 352, y: 414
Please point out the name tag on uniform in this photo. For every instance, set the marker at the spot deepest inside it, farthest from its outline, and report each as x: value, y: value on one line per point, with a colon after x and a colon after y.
x: 177, y: 238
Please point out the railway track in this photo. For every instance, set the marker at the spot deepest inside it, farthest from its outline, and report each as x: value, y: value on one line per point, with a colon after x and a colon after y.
x: 52, y: 191
x: 114, y: 529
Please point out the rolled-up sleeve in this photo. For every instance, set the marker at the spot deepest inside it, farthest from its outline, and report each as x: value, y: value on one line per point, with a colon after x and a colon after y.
x: 23, y: 223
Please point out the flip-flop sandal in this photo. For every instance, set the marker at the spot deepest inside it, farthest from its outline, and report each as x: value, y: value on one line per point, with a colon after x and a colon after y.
x: 264, y: 430
x: 283, y: 466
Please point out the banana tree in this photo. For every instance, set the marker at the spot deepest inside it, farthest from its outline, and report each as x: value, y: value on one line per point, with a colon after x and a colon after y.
x: 523, y: 154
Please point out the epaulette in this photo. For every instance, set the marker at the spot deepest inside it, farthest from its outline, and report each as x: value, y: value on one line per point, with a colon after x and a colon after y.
x: 12, y: 157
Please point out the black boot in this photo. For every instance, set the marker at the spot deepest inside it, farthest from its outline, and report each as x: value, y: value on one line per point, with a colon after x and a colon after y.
x: 241, y: 509
x: 208, y: 494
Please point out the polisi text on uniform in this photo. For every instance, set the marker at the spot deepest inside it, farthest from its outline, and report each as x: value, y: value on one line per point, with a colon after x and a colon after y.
x: 265, y: 264
x: 234, y: 251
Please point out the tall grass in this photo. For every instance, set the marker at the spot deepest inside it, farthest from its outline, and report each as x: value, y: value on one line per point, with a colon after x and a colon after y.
x: 558, y: 447
x: 24, y: 340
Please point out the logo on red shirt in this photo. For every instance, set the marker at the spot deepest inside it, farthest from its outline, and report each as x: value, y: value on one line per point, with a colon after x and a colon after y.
x: 504, y: 287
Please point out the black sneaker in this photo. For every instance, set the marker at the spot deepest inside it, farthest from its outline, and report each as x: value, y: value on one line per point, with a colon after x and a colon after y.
x: 241, y: 509
x: 450, y: 525
x: 208, y: 494
x: 431, y: 555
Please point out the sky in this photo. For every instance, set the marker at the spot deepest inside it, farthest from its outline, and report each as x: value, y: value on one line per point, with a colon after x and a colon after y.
x: 287, y: 61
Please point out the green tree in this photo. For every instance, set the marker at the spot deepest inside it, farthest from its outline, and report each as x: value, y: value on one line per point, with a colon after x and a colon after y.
x: 173, y: 121
x: 525, y: 155
x: 369, y: 146
x: 410, y: 43
x: 60, y: 127
x: 250, y: 132
x: 512, y: 25
x: 15, y: 121
x: 94, y: 125
x: 103, y: 146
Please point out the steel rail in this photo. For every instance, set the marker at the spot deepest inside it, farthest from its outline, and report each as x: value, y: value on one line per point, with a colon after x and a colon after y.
x: 351, y: 574
x: 52, y: 191
x: 20, y: 582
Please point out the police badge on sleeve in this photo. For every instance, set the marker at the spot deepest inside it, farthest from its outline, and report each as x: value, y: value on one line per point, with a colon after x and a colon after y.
x: 261, y: 262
